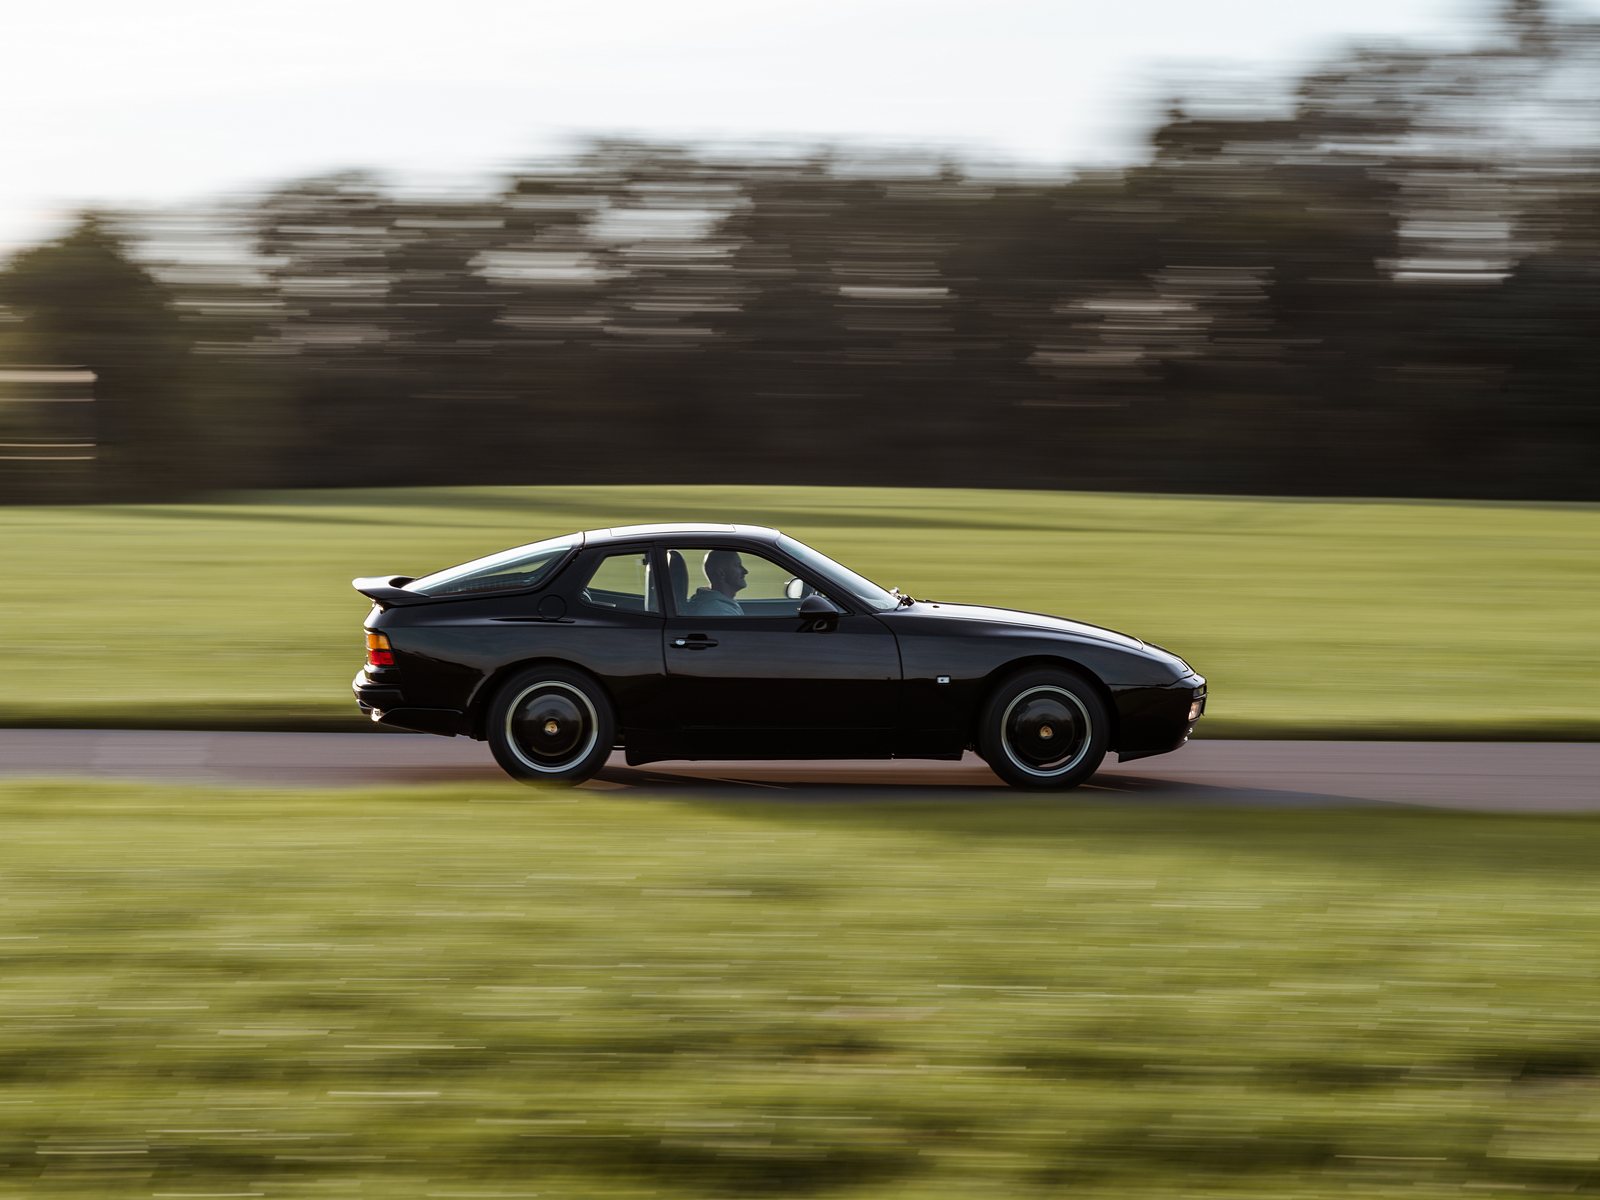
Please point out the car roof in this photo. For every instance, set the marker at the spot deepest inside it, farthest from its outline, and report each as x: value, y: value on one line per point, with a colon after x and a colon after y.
x: 621, y: 533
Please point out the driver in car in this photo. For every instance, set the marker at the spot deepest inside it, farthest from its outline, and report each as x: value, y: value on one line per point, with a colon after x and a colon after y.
x: 726, y: 573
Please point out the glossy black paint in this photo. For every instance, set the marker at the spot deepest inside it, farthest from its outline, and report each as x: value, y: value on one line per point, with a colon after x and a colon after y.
x: 905, y: 683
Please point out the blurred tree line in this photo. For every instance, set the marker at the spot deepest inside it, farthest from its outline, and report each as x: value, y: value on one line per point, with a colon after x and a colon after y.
x: 1390, y: 287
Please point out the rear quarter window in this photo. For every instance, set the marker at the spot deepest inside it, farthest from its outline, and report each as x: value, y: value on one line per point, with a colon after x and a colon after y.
x: 622, y: 581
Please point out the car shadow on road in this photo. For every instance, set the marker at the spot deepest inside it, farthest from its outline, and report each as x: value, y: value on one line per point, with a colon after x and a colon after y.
x: 812, y: 785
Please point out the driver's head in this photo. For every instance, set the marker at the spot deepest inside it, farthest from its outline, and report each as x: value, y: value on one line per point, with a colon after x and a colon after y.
x: 725, y: 572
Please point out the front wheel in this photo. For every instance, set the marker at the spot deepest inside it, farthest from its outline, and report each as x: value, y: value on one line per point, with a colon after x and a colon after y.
x: 551, y: 725
x: 1044, y: 729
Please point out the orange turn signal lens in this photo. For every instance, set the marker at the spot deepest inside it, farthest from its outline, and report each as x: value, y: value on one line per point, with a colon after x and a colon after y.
x: 379, y: 652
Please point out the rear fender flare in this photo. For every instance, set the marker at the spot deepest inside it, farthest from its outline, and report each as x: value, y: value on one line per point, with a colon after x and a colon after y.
x: 478, y: 706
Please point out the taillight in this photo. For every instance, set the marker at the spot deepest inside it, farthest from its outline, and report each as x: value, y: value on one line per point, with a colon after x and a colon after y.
x: 379, y: 652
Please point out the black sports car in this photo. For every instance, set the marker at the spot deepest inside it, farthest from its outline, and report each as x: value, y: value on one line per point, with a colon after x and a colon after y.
x: 734, y: 641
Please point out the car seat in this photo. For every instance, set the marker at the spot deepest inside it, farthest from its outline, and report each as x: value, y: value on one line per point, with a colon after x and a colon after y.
x: 679, y: 570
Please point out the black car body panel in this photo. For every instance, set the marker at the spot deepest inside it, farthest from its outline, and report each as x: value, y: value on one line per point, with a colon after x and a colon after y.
x: 905, y: 682
x: 1150, y: 691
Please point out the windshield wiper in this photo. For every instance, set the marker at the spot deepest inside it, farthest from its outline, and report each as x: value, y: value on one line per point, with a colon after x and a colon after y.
x: 901, y: 601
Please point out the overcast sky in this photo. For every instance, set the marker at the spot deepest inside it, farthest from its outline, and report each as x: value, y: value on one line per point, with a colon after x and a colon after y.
x: 118, y: 103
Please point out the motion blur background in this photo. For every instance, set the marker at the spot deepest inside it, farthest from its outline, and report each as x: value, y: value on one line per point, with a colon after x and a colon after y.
x: 297, y: 291
x: 1035, y: 248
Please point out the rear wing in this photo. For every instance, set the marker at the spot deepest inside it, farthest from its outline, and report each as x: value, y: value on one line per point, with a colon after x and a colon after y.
x: 387, y: 590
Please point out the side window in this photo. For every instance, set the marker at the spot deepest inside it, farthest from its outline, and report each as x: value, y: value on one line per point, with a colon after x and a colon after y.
x: 713, y: 582
x: 622, y: 581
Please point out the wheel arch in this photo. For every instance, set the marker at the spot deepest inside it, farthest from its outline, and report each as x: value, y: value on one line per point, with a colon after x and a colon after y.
x: 478, y: 706
x: 1054, y: 662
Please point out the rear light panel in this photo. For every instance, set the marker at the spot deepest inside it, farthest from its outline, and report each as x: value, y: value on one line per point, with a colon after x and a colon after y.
x: 379, y: 652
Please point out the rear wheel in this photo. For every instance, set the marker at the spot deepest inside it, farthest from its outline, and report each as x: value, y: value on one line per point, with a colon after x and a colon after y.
x: 551, y: 725
x: 1044, y: 729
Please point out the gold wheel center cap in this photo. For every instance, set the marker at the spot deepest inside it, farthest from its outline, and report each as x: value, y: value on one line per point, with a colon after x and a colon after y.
x: 552, y: 727
x: 1046, y: 732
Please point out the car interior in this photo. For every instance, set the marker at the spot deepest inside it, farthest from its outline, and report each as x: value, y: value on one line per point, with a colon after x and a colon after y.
x: 626, y: 582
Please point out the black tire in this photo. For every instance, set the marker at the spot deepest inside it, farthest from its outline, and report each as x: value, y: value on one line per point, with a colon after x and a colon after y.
x: 1044, y: 729
x: 551, y: 725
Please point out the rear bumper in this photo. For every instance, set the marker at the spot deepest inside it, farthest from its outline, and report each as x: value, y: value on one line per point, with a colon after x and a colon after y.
x: 370, y: 695
x: 385, y: 704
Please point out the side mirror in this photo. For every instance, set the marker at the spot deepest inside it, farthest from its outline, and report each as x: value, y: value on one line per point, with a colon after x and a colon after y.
x: 819, y: 613
x: 818, y: 605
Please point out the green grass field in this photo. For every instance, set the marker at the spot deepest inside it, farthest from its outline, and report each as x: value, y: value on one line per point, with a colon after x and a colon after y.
x: 488, y: 992
x: 1309, y: 618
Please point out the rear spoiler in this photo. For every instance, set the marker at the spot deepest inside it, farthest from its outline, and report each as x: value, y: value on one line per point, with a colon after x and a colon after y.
x: 386, y: 590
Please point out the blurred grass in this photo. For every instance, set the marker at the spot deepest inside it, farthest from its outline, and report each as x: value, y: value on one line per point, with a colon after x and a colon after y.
x: 1310, y: 618
x: 488, y: 992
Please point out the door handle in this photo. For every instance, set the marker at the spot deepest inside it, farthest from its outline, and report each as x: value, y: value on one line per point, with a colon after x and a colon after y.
x: 695, y: 642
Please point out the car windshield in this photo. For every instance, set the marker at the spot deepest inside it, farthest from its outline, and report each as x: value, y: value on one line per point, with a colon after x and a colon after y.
x: 521, y: 567
x: 861, y: 588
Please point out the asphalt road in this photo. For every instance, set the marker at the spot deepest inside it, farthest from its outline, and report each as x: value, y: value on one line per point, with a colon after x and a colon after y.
x: 1495, y: 776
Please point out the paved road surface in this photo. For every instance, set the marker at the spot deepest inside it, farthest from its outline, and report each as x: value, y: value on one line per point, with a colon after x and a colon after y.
x: 1504, y: 776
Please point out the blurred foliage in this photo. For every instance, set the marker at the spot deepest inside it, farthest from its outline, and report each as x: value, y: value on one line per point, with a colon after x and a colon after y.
x: 1319, y: 619
x: 86, y: 304
x: 485, y: 992
x: 1387, y: 288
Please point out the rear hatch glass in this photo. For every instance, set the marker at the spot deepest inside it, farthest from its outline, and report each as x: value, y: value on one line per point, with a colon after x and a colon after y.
x: 510, y: 570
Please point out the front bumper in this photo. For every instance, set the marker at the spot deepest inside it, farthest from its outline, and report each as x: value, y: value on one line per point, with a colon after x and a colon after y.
x: 1159, y: 720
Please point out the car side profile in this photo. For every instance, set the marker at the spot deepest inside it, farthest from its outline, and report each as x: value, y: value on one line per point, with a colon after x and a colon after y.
x: 699, y: 641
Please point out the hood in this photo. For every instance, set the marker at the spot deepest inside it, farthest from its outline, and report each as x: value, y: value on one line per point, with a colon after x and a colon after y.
x: 1007, y: 616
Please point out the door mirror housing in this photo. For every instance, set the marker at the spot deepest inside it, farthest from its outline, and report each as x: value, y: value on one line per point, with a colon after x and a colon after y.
x: 817, y: 606
x: 819, y: 613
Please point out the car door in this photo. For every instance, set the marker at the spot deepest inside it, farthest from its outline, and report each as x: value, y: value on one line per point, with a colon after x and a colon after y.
x: 748, y: 677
